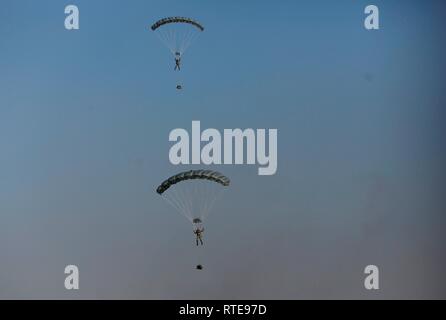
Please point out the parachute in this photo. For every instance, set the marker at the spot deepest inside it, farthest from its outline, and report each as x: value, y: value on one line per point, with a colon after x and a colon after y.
x: 193, y: 193
x: 177, y: 33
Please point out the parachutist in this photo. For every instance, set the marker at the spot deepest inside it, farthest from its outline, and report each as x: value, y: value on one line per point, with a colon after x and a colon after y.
x: 179, y: 87
x: 199, y: 235
x: 177, y: 34
x: 177, y: 61
x: 187, y: 185
x: 177, y: 64
x: 199, y: 267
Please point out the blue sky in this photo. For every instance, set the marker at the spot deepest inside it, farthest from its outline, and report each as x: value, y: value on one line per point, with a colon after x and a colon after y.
x: 84, y: 124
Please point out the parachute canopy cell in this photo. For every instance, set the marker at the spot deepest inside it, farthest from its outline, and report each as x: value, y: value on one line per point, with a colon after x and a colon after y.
x: 193, y: 174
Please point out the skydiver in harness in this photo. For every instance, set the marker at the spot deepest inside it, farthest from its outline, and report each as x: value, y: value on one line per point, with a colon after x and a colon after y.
x: 177, y: 61
x: 198, y: 230
x: 199, y: 235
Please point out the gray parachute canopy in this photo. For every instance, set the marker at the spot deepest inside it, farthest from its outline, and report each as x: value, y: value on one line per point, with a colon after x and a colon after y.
x: 193, y: 174
x: 165, y: 21
x: 193, y: 193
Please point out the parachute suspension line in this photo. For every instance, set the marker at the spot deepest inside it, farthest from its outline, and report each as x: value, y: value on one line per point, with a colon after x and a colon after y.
x: 173, y: 198
x: 207, y: 193
x: 194, y: 194
x: 169, y: 37
x: 187, y: 201
x: 200, y: 193
x: 190, y: 204
x: 186, y: 40
x: 182, y: 199
x: 175, y: 41
x: 217, y: 196
x: 194, y: 201
x: 211, y: 193
x: 172, y: 41
x: 180, y: 43
x: 194, y: 37
x: 164, y: 37
x: 203, y: 198
x: 202, y: 187
x: 195, y: 198
x: 173, y: 204
x: 190, y: 200
x: 212, y: 199
x: 176, y: 199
